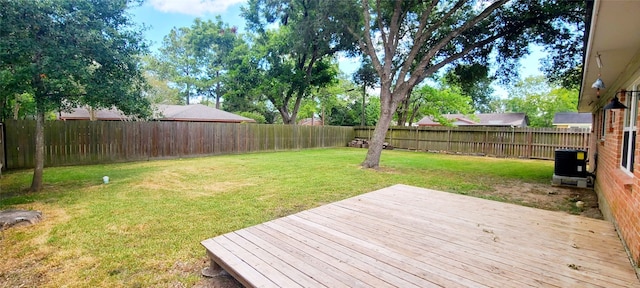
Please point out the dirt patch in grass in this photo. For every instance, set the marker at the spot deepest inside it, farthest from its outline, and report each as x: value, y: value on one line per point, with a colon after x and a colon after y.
x: 175, y: 180
x: 548, y: 197
x: 222, y: 281
x: 29, y: 268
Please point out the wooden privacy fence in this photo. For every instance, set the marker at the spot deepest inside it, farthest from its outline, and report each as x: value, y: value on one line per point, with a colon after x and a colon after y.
x: 532, y: 143
x: 87, y: 142
x: 91, y: 142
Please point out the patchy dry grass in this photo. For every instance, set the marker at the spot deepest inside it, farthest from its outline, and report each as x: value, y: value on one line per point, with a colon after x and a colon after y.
x: 144, y: 228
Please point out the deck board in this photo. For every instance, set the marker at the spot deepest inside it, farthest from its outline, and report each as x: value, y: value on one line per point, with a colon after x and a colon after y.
x: 404, y: 236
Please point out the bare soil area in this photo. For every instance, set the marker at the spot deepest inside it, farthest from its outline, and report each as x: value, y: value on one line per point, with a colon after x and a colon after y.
x: 223, y: 281
x: 548, y: 197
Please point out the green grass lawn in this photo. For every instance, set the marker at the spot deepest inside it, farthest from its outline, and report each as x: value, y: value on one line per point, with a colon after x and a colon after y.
x: 144, y: 228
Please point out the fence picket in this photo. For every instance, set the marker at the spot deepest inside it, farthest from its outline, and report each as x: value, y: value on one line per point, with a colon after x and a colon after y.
x: 87, y: 142
x: 92, y: 142
x: 526, y: 142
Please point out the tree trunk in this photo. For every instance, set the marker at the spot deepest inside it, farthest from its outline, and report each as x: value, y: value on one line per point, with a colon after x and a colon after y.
x: 375, y: 144
x: 364, y: 95
x: 218, y: 90
x: 416, y: 106
x: 296, y: 107
x: 286, y: 118
x: 16, y: 110
x: 387, y: 107
x: 188, y: 93
x: 389, y: 102
x: 92, y: 114
x: 36, y: 183
x: 4, y: 104
x: 402, y: 111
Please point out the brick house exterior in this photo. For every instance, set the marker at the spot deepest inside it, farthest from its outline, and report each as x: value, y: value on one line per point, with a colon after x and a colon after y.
x: 612, y: 53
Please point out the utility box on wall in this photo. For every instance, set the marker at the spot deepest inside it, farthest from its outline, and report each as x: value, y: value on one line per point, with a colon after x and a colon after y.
x: 570, y: 168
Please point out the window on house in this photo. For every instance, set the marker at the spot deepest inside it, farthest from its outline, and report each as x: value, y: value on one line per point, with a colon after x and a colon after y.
x: 629, y: 131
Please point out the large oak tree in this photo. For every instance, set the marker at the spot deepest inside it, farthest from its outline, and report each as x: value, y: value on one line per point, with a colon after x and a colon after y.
x: 410, y: 40
x: 68, y: 53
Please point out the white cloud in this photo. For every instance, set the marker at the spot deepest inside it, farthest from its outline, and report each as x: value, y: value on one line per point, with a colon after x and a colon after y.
x: 193, y: 7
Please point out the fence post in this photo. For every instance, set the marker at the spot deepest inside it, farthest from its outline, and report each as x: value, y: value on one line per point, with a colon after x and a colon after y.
x: 484, y: 142
x: 417, y: 139
x: 513, y: 141
x: 529, y: 142
x: 2, y: 148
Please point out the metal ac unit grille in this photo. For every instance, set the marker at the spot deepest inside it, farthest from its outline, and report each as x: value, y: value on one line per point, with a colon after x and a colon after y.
x: 570, y: 163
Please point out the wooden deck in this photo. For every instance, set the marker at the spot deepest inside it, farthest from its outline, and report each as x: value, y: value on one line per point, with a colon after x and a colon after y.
x: 404, y: 236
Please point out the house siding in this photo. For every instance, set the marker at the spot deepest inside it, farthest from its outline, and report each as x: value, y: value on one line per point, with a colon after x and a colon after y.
x: 618, y: 191
x: 612, y: 55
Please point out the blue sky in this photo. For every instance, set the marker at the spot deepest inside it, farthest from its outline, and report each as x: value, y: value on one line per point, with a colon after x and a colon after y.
x: 162, y: 15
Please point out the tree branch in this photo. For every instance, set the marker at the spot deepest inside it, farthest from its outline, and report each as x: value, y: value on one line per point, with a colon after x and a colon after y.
x: 369, y: 48
x: 424, y: 18
x: 455, y: 8
x: 485, y: 13
x: 383, y: 34
x: 422, y: 36
x: 431, y: 53
x: 395, y: 27
x: 458, y: 55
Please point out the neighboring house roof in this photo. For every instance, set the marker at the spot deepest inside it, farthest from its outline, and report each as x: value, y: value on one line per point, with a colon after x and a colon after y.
x: 192, y: 113
x: 572, y: 118
x: 456, y: 120
x: 199, y: 113
x: 315, y: 121
x: 489, y: 119
x: 100, y: 114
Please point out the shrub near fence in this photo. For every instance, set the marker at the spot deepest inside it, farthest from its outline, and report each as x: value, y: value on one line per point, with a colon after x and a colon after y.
x: 91, y: 142
x: 533, y: 143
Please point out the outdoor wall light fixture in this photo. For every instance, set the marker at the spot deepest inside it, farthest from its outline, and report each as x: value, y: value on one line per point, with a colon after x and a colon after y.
x: 615, y: 102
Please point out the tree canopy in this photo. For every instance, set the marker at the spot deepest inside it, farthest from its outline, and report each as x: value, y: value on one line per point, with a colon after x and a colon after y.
x: 539, y: 100
x: 367, y: 77
x: 433, y: 102
x: 196, y: 59
x: 409, y: 41
x: 474, y: 81
x: 70, y: 53
x: 295, y: 57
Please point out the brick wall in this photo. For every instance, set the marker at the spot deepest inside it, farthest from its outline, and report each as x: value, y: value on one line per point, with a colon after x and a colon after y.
x: 618, y: 191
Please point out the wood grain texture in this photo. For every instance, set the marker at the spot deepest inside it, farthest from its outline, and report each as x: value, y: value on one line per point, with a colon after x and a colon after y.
x: 404, y: 236
x: 518, y: 142
x: 93, y: 142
